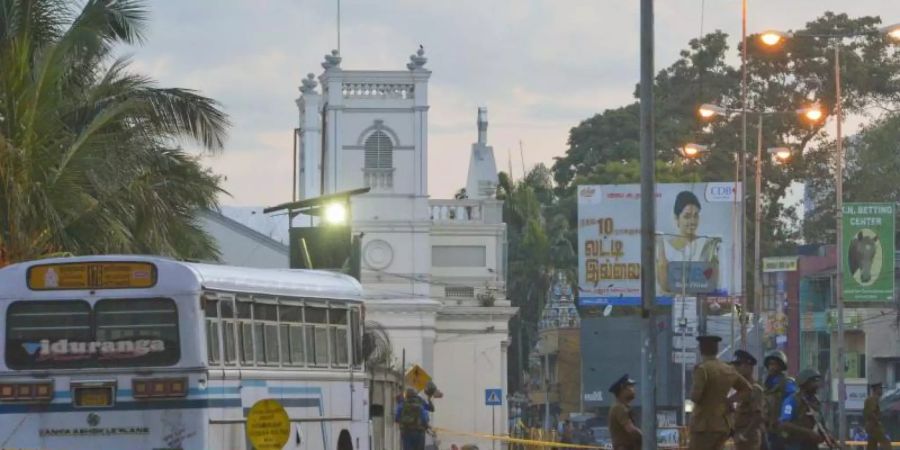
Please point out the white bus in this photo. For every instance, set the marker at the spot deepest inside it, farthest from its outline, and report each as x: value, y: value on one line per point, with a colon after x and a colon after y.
x: 135, y: 352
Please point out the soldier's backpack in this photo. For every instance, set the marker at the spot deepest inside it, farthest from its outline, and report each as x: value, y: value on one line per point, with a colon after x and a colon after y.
x: 411, y: 414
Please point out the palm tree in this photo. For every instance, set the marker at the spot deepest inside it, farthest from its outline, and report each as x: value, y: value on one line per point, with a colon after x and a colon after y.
x: 90, y: 156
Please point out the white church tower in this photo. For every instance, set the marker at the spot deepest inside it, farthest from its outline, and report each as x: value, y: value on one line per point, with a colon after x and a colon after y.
x: 433, y: 270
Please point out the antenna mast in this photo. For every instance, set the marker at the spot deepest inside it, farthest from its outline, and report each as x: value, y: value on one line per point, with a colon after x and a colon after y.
x: 339, y: 26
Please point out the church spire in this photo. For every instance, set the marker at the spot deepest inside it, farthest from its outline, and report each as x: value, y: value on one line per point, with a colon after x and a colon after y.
x: 482, y: 181
x: 482, y: 126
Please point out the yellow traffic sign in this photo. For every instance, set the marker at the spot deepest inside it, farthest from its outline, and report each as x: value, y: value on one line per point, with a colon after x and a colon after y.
x: 268, y: 425
x: 417, y: 377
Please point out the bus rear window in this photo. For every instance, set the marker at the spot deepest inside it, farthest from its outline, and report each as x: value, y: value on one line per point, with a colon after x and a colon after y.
x: 144, y: 331
x: 68, y: 334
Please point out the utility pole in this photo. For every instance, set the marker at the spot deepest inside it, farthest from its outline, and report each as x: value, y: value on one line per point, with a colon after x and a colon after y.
x: 757, y: 252
x: 648, y: 232
x: 743, y: 162
x: 839, y: 276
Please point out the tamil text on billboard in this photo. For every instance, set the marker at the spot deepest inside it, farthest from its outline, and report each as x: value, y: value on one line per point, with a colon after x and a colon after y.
x: 868, y: 252
x: 695, y: 249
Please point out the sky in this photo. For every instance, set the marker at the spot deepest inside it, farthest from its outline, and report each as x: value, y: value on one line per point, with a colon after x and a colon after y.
x: 539, y: 66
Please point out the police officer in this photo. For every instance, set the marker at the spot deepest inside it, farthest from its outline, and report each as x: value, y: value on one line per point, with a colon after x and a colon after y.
x: 778, y: 387
x: 713, y: 379
x: 800, y: 422
x: 750, y: 414
x: 872, y: 416
x: 625, y: 435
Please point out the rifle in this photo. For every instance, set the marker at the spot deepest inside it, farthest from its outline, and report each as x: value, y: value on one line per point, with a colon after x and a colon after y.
x: 820, y: 429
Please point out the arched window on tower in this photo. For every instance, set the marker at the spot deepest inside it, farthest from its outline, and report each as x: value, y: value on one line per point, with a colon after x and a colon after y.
x: 379, y: 162
x: 379, y: 151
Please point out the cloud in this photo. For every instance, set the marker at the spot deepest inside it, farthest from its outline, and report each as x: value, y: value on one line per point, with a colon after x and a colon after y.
x: 540, y: 66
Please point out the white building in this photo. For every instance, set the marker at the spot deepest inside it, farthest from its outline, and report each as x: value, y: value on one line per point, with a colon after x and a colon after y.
x: 434, y: 270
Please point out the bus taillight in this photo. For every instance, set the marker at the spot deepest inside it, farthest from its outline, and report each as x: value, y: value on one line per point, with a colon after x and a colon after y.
x: 26, y: 392
x: 159, y: 387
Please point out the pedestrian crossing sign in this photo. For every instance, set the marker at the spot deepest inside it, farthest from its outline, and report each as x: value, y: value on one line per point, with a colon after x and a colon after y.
x: 493, y: 397
x: 417, y: 377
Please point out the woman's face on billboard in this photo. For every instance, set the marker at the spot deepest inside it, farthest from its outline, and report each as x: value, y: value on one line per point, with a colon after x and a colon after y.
x: 688, y: 220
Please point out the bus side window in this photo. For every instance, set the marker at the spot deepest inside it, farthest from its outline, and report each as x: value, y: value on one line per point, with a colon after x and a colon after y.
x: 316, y: 320
x: 290, y: 319
x: 226, y: 309
x: 245, y: 330
x: 265, y: 327
x: 356, y: 336
x: 338, y: 330
x: 212, y: 328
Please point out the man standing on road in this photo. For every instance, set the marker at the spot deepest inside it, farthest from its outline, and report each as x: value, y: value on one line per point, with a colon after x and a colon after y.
x: 750, y: 414
x: 412, y: 417
x: 779, y: 386
x: 625, y: 435
x: 872, y: 416
x: 713, y: 379
x: 801, y: 416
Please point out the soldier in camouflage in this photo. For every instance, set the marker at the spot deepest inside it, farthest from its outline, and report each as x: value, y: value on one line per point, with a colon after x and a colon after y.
x: 778, y: 387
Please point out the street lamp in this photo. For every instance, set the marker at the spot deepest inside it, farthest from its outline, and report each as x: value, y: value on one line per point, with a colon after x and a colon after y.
x: 708, y: 110
x: 692, y: 151
x: 812, y: 113
x: 891, y: 32
x: 773, y: 38
x: 780, y: 154
x: 335, y: 213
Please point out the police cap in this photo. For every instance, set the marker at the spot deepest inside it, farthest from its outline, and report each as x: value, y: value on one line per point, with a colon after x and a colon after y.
x: 620, y: 383
x: 743, y: 357
x: 709, y: 339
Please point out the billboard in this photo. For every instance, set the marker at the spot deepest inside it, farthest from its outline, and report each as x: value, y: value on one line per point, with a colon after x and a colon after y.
x: 867, y: 253
x: 695, y: 246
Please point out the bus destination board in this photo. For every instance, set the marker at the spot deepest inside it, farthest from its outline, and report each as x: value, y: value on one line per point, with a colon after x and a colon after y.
x: 101, y: 275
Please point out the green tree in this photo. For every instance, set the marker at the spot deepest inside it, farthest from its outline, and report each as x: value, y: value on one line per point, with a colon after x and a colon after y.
x: 89, y: 151
x: 785, y: 79
x: 539, y: 244
x: 871, y: 158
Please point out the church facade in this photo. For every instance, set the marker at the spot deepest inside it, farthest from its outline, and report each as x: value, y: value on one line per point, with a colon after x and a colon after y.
x: 434, y: 271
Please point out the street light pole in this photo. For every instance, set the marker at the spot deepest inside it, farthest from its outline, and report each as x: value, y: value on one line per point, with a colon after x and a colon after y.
x: 757, y: 257
x: 743, y: 163
x: 839, y: 275
x: 648, y: 231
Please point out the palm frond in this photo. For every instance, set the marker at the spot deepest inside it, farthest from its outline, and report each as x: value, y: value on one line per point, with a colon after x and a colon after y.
x: 87, y: 162
x: 184, y: 113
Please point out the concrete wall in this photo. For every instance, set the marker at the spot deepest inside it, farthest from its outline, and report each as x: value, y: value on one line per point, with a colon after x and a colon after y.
x: 468, y: 360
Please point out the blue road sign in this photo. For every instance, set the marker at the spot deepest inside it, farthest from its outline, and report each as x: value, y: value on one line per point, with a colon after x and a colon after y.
x: 493, y: 397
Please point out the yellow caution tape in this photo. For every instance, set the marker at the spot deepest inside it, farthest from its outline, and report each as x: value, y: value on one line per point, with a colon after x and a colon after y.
x: 512, y: 440
x: 861, y: 443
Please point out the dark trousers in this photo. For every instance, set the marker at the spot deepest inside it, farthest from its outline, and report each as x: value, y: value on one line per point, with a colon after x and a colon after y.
x: 877, y: 440
x: 775, y: 441
x: 413, y: 440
